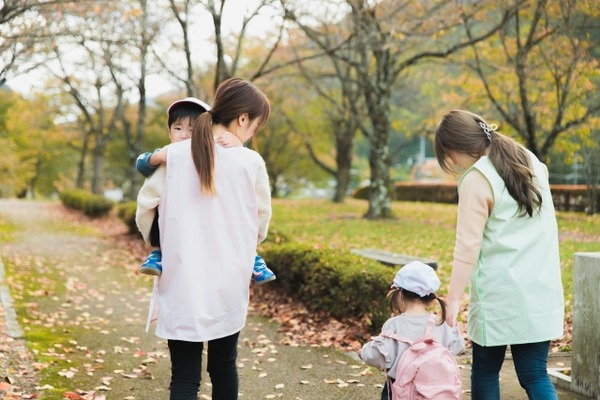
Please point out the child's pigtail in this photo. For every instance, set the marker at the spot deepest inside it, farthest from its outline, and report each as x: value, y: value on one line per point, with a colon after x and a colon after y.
x: 393, y: 300
x: 443, y: 307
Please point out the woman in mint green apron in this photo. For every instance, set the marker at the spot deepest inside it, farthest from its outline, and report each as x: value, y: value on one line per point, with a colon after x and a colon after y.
x: 506, y: 250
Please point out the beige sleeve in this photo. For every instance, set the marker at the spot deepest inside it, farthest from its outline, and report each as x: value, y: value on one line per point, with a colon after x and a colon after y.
x: 475, y: 203
x: 148, y: 199
x: 263, y: 200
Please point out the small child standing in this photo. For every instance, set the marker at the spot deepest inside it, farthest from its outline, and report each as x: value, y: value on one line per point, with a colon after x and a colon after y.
x: 182, y: 115
x: 412, y: 291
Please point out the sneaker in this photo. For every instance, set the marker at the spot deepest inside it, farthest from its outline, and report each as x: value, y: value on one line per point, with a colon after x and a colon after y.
x: 262, y: 273
x: 153, y: 264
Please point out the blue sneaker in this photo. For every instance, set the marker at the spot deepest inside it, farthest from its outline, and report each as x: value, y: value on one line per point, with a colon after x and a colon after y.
x: 153, y: 264
x: 262, y: 273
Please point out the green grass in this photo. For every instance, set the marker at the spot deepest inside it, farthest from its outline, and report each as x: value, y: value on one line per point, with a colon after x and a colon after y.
x: 7, y: 231
x: 68, y: 227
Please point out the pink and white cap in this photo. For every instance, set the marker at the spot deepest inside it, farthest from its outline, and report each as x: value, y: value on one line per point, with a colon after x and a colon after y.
x: 191, y: 100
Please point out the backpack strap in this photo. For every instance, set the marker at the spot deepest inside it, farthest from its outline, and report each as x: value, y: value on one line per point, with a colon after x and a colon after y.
x: 430, y: 323
x: 392, y: 335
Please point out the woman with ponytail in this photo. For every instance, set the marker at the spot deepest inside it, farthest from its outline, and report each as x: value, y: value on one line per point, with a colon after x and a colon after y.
x: 214, y: 209
x: 506, y: 250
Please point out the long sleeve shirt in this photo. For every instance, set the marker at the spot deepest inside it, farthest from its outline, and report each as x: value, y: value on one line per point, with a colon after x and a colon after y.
x: 384, y: 353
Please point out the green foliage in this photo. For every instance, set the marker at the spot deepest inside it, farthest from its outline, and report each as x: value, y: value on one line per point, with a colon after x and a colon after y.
x: 36, y: 157
x: 275, y: 236
x: 126, y: 213
x: 90, y: 204
x: 332, y: 280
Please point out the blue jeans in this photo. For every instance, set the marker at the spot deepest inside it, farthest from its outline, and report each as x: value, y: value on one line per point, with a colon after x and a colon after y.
x: 186, y: 364
x: 530, y: 360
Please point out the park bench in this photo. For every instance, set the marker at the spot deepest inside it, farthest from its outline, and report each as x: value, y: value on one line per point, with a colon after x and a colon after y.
x: 391, y: 259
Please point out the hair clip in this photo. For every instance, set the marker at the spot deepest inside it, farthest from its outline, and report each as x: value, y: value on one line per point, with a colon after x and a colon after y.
x: 488, y: 129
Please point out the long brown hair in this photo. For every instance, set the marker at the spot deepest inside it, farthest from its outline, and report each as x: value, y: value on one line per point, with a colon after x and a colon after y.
x: 233, y: 98
x: 461, y: 131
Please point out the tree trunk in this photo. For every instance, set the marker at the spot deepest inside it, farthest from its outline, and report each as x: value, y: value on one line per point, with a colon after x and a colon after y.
x: 344, y: 148
x: 98, y: 166
x: 378, y: 99
x: 80, y: 180
x: 379, y: 162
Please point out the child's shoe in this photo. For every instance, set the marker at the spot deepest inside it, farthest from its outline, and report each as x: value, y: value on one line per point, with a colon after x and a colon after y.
x: 153, y: 264
x: 262, y: 273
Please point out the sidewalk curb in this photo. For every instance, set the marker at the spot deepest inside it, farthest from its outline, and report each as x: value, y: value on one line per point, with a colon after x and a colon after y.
x: 13, y: 329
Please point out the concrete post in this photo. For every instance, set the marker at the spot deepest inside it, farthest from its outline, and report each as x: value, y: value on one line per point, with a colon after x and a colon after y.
x: 586, y: 325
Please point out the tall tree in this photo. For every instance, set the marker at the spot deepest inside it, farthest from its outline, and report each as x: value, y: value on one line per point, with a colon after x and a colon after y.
x: 390, y: 37
x: 228, y: 44
x: 538, y: 73
x: 145, y: 26
x: 24, y: 27
x: 97, y: 79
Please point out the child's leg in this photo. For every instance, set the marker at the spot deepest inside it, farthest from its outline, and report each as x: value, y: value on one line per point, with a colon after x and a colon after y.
x: 262, y: 273
x: 153, y: 263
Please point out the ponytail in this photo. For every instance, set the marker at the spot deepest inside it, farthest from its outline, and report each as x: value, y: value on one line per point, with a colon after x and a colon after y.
x: 514, y: 167
x: 203, y: 153
x: 233, y: 98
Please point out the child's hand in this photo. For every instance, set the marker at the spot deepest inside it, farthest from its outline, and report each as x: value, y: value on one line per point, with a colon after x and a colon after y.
x: 228, y: 139
x: 160, y: 157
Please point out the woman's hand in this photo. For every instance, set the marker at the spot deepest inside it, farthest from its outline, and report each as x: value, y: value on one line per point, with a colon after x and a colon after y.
x: 452, y: 312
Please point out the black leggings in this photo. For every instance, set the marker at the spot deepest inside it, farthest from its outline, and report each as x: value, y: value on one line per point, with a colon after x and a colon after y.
x: 186, y: 364
x: 155, y: 232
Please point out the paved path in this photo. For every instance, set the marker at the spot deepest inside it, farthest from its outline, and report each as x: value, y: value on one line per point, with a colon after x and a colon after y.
x: 82, y: 310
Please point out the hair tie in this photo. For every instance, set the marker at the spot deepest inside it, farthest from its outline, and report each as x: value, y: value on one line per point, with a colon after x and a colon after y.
x: 488, y: 129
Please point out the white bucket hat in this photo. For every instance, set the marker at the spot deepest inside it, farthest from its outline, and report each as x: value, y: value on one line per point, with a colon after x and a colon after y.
x: 417, y: 277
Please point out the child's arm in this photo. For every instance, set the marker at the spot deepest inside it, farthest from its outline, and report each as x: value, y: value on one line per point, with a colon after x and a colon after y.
x: 146, y: 163
x: 228, y: 139
x: 380, y: 352
x: 376, y: 354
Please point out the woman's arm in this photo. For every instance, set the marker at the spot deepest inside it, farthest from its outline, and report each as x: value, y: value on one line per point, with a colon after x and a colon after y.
x: 475, y: 203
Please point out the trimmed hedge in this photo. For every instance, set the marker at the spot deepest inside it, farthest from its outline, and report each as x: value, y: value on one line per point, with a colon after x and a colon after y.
x: 92, y: 205
x: 126, y: 213
x: 335, y: 281
x: 437, y: 192
x: 565, y: 197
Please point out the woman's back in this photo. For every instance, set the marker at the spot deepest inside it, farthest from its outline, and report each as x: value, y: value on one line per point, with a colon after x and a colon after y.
x: 516, y: 294
x: 208, y: 244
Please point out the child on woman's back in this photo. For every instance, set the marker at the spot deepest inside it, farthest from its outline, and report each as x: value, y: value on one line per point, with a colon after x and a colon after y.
x: 182, y: 115
x: 413, y: 290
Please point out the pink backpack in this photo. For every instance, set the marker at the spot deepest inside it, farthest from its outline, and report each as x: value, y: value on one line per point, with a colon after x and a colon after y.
x: 426, y: 370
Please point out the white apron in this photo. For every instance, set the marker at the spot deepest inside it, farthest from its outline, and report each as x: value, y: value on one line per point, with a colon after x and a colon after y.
x: 208, y: 246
